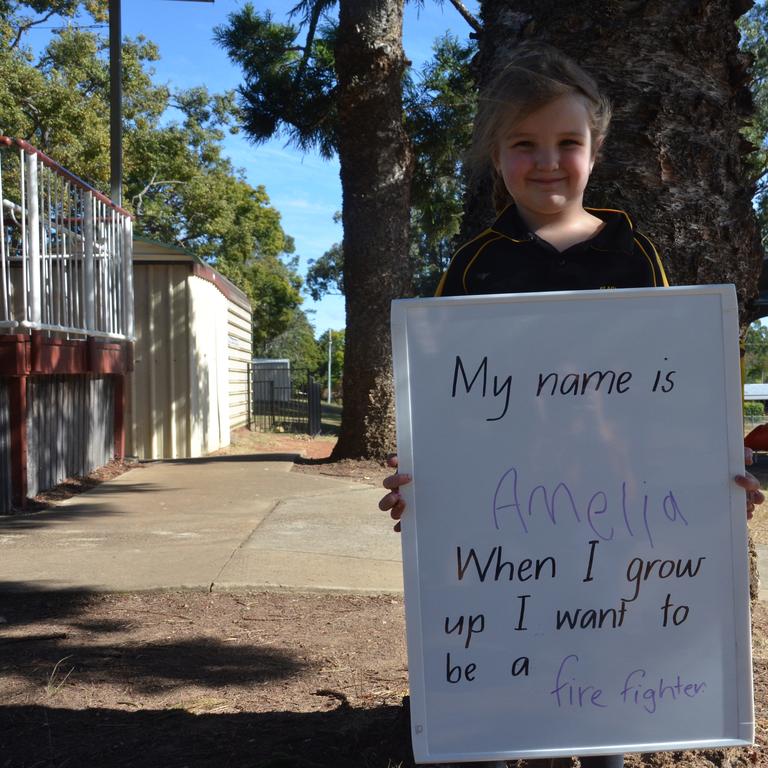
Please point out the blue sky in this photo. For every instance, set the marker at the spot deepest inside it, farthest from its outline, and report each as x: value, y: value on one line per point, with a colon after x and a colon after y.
x: 303, y: 187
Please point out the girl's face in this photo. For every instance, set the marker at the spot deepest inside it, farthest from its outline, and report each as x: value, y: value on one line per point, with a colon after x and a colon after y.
x: 545, y: 161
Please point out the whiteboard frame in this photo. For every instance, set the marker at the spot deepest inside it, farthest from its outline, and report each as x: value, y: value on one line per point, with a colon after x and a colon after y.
x: 401, y: 309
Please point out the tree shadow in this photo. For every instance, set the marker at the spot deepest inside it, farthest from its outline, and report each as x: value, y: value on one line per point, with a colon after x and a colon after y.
x: 71, y: 427
x: 345, y: 737
x: 74, y: 510
x: 152, y: 667
x: 158, y: 665
x: 315, y: 462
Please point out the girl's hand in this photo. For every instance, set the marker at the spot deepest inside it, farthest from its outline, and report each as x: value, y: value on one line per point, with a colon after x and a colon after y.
x: 393, y: 501
x: 750, y: 484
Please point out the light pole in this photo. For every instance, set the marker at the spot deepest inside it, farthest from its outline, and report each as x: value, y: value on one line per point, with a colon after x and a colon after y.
x: 115, y: 103
x: 116, y: 100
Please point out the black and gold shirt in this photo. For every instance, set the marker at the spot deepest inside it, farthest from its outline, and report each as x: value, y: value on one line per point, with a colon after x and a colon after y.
x: 508, y: 258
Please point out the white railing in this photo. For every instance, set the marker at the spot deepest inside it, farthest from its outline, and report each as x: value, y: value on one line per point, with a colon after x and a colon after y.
x: 65, y: 251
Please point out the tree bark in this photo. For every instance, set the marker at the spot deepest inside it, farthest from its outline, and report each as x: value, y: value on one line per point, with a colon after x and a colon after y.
x: 674, y: 158
x: 376, y: 168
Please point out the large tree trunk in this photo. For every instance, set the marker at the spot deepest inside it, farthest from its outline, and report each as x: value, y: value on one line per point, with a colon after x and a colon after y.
x: 674, y: 157
x: 376, y: 166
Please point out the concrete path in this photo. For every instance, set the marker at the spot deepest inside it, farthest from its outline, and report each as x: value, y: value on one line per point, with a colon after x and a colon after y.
x: 224, y: 522
x: 219, y: 522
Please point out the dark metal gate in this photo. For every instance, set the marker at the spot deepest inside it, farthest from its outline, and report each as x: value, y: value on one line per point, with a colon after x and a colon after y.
x: 283, y: 400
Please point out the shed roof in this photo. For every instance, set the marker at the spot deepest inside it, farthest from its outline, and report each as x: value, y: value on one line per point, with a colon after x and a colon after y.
x: 147, y: 251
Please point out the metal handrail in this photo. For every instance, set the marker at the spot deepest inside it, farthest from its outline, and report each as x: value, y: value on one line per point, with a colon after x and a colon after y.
x: 62, y: 171
x: 65, y: 250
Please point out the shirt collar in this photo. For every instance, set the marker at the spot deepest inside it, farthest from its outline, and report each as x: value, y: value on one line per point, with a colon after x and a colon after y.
x: 616, y: 235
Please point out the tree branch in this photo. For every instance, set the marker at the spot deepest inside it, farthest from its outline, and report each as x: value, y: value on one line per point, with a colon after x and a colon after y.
x: 314, y: 18
x: 466, y: 15
x: 26, y: 27
x: 138, y: 200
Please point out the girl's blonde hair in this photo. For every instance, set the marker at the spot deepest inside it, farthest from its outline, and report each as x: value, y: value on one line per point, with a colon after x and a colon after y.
x: 531, y: 79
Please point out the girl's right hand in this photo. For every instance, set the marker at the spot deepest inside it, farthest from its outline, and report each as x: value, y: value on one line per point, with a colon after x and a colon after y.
x: 393, y: 501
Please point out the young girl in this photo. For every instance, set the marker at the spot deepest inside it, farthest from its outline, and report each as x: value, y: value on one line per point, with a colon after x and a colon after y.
x: 540, y: 127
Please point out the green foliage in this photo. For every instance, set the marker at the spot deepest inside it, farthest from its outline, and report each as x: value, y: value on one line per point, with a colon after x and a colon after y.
x: 754, y: 40
x: 440, y: 111
x: 289, y: 86
x: 17, y: 17
x: 753, y: 409
x: 176, y: 180
x: 756, y: 354
x: 337, y: 339
x: 325, y: 275
x: 296, y: 342
x: 273, y: 288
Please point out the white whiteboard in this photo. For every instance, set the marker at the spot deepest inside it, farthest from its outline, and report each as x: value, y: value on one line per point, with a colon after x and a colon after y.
x: 607, y: 438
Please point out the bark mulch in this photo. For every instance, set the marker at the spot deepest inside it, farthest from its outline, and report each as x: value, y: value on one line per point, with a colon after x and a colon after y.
x: 259, y: 679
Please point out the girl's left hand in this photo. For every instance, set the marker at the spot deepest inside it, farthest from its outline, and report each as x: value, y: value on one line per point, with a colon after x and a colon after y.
x: 750, y: 484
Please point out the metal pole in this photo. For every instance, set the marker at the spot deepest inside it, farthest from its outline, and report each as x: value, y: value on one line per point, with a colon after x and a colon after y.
x: 115, y: 102
x: 33, y: 241
x: 89, y: 282
x: 330, y: 344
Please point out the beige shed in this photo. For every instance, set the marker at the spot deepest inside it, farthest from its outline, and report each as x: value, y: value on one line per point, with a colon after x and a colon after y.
x: 189, y: 387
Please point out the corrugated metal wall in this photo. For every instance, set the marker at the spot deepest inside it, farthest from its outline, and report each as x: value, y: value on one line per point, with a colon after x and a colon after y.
x: 5, y: 450
x: 240, y: 352
x: 209, y: 415
x: 180, y: 404
x: 70, y: 427
x: 159, y: 384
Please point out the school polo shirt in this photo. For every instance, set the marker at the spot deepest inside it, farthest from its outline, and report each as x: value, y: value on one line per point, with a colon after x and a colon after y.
x: 508, y: 258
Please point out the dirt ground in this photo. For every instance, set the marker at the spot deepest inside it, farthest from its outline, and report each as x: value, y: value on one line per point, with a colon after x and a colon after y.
x: 249, y: 679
